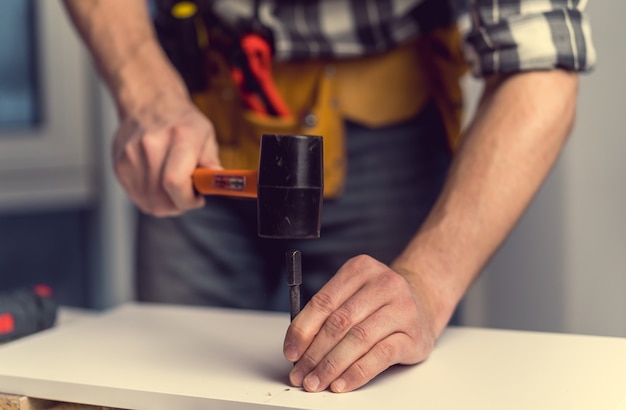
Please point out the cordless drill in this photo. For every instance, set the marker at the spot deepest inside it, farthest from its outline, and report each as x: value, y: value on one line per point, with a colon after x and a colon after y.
x: 25, y: 311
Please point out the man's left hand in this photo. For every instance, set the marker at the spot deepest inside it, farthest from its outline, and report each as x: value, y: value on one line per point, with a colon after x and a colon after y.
x: 364, y: 320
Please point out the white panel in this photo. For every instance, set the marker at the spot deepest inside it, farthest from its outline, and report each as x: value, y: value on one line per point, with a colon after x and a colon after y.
x: 159, y: 357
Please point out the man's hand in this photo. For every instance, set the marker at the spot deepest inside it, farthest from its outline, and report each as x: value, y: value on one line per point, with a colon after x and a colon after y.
x: 365, y: 319
x: 157, y: 149
x: 163, y: 137
x: 369, y: 317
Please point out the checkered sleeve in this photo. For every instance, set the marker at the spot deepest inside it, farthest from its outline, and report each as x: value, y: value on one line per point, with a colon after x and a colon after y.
x: 518, y: 35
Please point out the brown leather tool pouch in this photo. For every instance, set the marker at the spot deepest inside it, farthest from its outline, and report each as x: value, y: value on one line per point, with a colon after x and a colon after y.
x: 310, y: 95
x: 374, y: 91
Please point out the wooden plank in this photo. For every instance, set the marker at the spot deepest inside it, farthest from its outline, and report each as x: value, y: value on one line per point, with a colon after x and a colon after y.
x: 14, y: 402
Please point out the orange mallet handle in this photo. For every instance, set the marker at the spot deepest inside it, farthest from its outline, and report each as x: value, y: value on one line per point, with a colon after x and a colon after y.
x: 230, y: 182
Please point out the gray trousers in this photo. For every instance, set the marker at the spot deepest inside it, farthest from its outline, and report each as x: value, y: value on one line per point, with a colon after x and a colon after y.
x: 213, y: 256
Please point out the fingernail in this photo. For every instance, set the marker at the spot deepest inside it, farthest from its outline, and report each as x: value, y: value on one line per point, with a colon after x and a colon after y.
x: 338, y: 386
x: 312, y: 382
x: 291, y: 353
x: 296, y: 378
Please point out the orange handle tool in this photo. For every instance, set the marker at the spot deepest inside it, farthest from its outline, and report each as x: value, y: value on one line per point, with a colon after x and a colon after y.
x: 230, y: 182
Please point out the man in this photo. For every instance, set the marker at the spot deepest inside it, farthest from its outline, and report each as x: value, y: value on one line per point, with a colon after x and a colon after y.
x: 405, y: 228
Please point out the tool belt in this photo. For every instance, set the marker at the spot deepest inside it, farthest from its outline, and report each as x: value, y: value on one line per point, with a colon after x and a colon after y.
x: 374, y: 91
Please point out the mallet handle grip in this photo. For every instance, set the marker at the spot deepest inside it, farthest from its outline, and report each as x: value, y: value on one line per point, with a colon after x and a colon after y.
x: 230, y: 182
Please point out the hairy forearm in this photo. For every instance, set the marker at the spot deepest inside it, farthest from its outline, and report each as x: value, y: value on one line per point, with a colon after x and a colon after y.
x: 515, y: 138
x: 121, y: 38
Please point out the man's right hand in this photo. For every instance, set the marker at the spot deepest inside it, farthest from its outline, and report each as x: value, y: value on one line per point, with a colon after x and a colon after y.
x: 162, y: 137
x: 156, y: 150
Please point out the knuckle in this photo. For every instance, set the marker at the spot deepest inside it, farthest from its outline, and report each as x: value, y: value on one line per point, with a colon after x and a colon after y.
x: 151, y: 208
x: 364, y: 266
x: 143, y: 208
x: 159, y: 212
x: 156, y: 207
x: 180, y: 135
x: 361, y: 261
x: 358, y: 334
x: 322, y: 302
x: 386, y: 352
x: 297, y: 335
x: 330, y: 366
x: 125, y: 157
x: 171, y: 181
x: 339, y: 321
x: 148, y: 145
x: 308, y: 361
x: 360, y: 372
x: 393, y: 280
x: 196, y: 129
x: 164, y: 213
x: 394, y: 286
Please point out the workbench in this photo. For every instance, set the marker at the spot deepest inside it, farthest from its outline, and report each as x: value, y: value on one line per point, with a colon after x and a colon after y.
x: 145, y: 356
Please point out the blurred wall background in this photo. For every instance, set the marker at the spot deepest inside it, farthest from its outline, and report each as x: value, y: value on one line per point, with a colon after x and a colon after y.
x: 48, y: 187
x: 65, y: 221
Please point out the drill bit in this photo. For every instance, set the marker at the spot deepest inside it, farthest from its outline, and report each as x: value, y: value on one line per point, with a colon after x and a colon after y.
x: 294, y: 280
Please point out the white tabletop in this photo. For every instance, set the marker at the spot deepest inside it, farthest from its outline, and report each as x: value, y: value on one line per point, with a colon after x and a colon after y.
x: 165, y: 357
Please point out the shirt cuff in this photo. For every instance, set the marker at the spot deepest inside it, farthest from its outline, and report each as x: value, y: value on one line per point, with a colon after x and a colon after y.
x: 558, y: 38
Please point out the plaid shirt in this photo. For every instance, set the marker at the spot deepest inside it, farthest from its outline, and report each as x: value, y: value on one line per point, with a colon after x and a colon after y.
x: 501, y: 36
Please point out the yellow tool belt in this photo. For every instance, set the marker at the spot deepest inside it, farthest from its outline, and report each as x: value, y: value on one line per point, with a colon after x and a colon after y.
x: 374, y: 91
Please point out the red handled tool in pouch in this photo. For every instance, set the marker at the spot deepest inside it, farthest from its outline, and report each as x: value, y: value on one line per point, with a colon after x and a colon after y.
x: 248, y: 47
x: 186, y: 28
x: 252, y: 73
